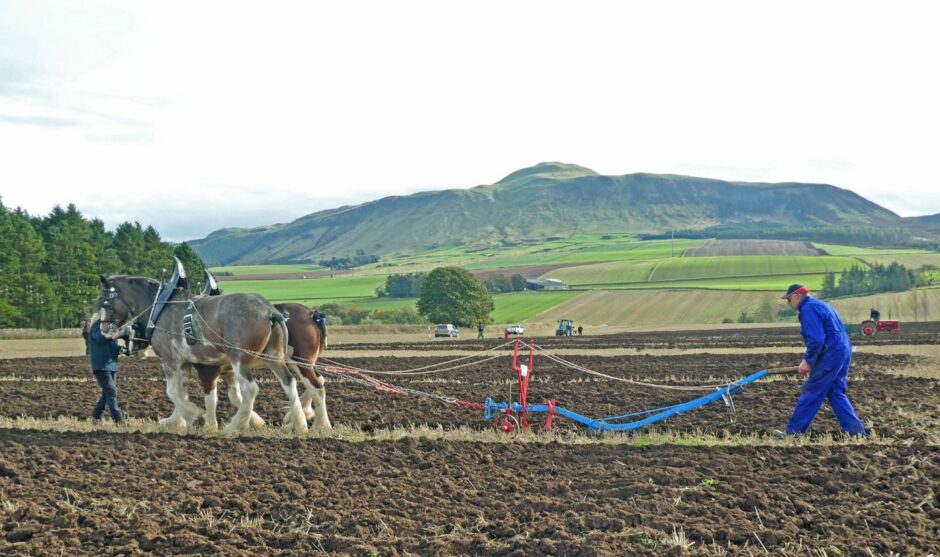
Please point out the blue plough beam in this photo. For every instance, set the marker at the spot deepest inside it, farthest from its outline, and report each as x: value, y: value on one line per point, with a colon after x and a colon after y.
x: 491, y: 408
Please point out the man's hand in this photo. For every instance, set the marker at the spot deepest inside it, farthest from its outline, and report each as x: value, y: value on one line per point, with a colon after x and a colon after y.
x: 805, y: 368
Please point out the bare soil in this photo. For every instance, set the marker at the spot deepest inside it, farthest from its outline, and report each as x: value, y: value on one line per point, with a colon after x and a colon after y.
x: 109, y: 493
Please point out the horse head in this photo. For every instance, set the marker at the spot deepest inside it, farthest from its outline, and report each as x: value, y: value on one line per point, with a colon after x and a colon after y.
x: 124, y: 299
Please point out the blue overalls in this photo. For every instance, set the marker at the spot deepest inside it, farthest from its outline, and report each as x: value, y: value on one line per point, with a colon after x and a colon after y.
x: 829, y: 353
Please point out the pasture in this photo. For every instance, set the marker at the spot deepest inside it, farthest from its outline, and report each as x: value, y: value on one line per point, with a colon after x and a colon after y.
x: 241, y: 270
x: 404, y: 474
x: 312, y: 291
x: 697, y: 286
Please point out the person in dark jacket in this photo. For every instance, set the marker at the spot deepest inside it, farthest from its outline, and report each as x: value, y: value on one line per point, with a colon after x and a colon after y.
x: 103, y: 352
x: 826, y: 361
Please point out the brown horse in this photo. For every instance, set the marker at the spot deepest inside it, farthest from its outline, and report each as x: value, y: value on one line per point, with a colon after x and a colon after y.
x: 306, y: 336
x: 237, y: 331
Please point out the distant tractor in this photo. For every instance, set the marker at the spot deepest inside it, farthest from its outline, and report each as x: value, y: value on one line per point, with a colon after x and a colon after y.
x: 870, y: 327
x: 565, y: 328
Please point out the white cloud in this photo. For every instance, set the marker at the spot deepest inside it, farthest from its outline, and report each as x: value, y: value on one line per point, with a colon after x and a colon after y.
x: 296, y: 107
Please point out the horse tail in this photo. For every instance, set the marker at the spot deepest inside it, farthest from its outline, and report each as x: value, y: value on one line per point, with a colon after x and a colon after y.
x: 277, y: 318
x: 319, y: 320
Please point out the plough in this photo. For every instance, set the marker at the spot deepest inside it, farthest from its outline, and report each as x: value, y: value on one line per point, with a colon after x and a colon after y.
x: 510, y: 417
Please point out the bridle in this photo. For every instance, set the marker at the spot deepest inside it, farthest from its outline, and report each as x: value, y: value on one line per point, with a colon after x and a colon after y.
x: 109, y: 294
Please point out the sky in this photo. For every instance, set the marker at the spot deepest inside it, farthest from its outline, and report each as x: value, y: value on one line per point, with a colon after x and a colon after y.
x: 195, y: 116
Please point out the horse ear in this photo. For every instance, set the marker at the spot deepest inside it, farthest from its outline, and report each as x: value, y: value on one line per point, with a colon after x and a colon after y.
x: 104, y: 281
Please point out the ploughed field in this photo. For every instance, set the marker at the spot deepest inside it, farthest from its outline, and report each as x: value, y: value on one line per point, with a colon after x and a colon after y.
x: 722, y: 485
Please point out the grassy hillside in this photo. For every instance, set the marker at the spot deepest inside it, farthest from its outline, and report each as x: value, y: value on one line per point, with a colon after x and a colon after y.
x: 546, y: 201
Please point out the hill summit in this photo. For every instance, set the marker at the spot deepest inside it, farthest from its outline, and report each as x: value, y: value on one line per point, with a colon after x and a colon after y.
x: 549, y: 199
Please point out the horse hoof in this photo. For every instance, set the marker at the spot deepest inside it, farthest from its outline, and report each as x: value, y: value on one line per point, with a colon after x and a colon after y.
x: 256, y: 421
x: 174, y: 424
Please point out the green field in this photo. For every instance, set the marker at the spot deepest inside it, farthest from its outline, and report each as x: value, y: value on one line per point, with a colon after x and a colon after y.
x: 238, y: 270
x: 747, y: 266
x: 912, y: 261
x: 604, y: 273
x: 509, y: 308
x: 590, y: 253
x: 835, y: 249
x: 521, y: 306
x: 317, y: 291
x: 621, y: 280
x: 659, y: 272
x: 771, y: 283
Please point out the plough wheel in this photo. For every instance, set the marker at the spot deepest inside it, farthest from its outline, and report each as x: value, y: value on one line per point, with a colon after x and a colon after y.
x: 507, y: 423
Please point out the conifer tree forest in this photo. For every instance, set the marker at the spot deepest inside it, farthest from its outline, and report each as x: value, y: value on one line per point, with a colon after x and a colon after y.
x: 859, y: 281
x: 49, y: 266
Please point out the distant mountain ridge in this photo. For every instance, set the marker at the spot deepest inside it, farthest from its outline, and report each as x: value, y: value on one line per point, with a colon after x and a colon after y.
x: 546, y: 200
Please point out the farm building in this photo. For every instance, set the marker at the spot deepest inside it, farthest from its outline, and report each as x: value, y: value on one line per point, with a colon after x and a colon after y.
x: 545, y: 284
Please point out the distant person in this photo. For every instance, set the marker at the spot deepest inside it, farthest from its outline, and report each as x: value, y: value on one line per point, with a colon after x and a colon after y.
x: 826, y: 361
x: 580, y: 330
x: 103, y: 352
x: 480, y: 331
x: 875, y: 315
x: 506, y: 334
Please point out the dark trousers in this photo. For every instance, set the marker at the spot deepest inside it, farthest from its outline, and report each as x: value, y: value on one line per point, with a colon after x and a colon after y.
x: 107, y: 380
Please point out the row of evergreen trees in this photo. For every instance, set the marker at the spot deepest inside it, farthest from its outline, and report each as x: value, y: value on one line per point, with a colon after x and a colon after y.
x: 859, y: 281
x: 49, y: 266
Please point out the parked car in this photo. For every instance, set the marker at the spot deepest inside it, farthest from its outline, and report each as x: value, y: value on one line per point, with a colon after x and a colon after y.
x: 515, y: 329
x: 446, y: 330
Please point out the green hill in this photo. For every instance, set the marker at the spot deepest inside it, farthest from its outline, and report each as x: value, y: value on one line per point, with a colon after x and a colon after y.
x: 530, y: 205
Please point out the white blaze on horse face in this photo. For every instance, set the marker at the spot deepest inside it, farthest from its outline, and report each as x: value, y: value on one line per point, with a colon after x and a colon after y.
x: 102, y: 314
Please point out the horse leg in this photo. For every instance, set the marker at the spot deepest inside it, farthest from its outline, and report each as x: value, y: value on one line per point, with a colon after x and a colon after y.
x: 209, y: 379
x: 315, y: 393
x: 319, y: 403
x: 248, y: 390
x: 175, y: 421
x: 190, y: 411
x: 306, y: 399
x: 235, y: 397
x: 294, y: 418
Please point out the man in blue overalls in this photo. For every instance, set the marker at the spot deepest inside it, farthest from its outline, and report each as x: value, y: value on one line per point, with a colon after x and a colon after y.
x: 826, y: 361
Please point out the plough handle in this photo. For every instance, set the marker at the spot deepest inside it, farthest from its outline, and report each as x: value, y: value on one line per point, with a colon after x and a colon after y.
x: 783, y: 370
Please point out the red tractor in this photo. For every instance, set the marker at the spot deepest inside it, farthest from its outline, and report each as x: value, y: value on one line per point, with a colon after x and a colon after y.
x: 869, y: 327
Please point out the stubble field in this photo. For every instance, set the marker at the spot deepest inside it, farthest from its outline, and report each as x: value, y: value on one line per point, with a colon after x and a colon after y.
x: 410, y: 474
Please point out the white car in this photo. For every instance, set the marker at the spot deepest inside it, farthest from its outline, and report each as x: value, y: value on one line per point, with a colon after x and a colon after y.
x: 446, y: 330
x: 515, y: 329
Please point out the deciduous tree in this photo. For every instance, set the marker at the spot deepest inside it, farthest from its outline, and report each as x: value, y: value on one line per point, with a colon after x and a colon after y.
x: 454, y: 295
